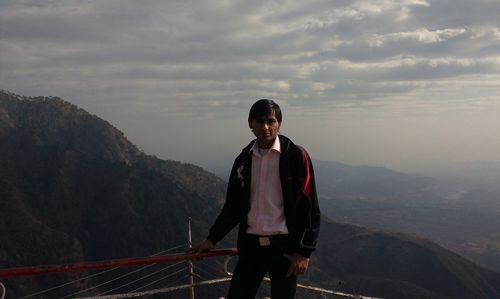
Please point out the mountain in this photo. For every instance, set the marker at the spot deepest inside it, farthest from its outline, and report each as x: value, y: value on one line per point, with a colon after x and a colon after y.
x: 73, y: 188
x: 463, y: 215
x: 397, y: 265
x: 484, y: 173
x: 336, y: 179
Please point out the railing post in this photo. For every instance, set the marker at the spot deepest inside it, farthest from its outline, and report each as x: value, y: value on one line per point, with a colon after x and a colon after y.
x: 190, y: 262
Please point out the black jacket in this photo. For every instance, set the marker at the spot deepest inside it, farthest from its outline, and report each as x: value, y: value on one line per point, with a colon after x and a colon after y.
x: 299, y: 196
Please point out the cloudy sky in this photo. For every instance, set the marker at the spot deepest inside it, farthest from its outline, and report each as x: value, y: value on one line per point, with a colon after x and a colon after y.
x: 404, y: 84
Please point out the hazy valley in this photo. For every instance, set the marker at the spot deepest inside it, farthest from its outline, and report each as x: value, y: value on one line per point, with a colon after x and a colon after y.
x: 461, y: 213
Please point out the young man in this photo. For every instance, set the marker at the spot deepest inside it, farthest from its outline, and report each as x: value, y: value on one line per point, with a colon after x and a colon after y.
x: 272, y: 196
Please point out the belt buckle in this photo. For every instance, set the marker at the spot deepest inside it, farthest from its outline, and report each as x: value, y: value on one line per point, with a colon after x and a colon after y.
x: 264, y: 241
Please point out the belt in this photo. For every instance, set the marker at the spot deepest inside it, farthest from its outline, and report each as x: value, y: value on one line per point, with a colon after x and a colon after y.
x: 264, y: 241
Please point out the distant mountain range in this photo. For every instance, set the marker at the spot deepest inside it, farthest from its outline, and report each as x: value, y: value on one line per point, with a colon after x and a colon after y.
x: 478, y: 172
x: 461, y: 214
x: 73, y: 188
x: 368, y: 182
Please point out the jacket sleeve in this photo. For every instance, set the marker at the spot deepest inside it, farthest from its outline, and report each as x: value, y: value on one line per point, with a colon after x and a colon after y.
x: 229, y: 215
x: 308, y: 207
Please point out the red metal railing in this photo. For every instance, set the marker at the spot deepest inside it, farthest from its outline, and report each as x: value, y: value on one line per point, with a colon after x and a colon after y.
x: 39, y: 270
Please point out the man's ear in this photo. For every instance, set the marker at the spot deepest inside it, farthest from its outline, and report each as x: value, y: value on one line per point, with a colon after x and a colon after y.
x: 250, y: 124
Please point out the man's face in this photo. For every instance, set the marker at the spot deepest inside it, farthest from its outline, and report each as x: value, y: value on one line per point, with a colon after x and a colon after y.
x: 265, y: 128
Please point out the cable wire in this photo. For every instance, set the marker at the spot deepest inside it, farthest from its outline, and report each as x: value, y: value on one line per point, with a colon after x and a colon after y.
x: 170, y: 275
x: 139, y: 279
x: 219, y: 271
x: 215, y: 285
x: 108, y: 282
x: 68, y: 283
x: 177, y: 280
x: 94, y: 275
x: 121, y: 276
x: 207, y: 272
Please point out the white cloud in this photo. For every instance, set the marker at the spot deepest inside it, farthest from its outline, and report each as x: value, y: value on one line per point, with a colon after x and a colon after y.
x: 421, y: 35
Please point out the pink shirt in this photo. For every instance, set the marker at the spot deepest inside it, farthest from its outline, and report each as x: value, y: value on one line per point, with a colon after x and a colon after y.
x: 267, y: 214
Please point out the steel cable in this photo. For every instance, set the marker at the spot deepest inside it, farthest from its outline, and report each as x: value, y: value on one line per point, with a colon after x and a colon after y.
x: 122, y: 276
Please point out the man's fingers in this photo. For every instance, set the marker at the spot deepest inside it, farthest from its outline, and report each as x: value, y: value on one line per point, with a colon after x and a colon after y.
x: 291, y: 271
x: 294, y: 269
x: 201, y: 247
x: 298, y: 264
x: 194, y: 250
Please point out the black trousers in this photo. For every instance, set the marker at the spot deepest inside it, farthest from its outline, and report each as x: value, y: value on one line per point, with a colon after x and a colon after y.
x: 254, y: 262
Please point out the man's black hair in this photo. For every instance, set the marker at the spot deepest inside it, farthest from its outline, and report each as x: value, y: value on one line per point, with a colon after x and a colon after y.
x: 264, y: 107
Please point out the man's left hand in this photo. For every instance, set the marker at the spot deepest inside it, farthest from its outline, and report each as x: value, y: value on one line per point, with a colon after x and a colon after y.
x: 298, y: 264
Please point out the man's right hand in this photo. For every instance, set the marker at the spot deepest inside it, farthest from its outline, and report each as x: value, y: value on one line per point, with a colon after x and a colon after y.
x: 201, y: 247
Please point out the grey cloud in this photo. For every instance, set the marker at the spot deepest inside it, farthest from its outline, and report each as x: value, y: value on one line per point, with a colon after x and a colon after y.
x: 426, y: 71
x: 413, y: 70
x: 456, y: 13
x: 213, y: 72
x: 362, y: 91
x: 364, y: 51
x: 66, y: 22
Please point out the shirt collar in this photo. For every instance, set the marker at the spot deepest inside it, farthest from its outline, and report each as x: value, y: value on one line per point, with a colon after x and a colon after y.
x: 276, y: 146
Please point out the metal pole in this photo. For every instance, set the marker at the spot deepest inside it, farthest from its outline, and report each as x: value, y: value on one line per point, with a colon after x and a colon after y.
x: 190, y: 262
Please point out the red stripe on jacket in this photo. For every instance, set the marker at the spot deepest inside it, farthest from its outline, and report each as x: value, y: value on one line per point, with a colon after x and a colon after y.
x: 305, y: 182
